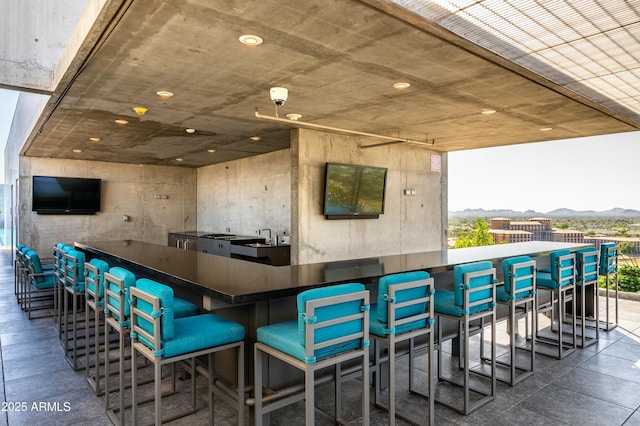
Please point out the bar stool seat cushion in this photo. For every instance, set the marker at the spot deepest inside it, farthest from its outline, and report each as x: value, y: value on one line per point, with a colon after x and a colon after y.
x: 183, y: 335
x: 200, y: 332
x: 503, y: 292
x: 444, y: 304
x: 183, y: 308
x: 283, y: 336
x: 543, y: 279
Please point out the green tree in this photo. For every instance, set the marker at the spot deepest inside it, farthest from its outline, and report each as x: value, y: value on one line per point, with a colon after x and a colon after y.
x: 624, y: 232
x: 480, y: 236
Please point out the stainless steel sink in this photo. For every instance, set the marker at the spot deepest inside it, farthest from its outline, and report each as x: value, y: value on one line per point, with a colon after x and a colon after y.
x: 267, y: 253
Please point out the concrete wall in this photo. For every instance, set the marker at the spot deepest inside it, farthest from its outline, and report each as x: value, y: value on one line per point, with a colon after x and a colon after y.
x: 246, y: 195
x: 409, y: 223
x: 127, y: 189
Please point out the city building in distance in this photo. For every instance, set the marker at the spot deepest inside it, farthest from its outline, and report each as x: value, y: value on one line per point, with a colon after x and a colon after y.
x: 505, y: 230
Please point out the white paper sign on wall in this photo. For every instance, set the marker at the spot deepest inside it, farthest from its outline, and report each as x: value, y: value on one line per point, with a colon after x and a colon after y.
x: 436, y: 163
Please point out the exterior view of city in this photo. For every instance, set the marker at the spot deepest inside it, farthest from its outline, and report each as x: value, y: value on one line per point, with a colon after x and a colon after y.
x: 467, y: 229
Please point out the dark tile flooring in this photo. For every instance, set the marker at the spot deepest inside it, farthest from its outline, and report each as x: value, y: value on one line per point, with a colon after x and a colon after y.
x: 599, y: 385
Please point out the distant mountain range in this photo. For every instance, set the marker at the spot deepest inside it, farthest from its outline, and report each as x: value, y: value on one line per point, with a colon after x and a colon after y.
x: 615, y: 212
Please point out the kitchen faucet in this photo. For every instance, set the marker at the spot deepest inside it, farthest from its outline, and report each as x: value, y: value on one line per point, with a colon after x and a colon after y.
x: 267, y: 240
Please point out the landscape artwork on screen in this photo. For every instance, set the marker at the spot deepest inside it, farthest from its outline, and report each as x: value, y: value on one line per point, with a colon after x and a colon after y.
x: 354, y: 191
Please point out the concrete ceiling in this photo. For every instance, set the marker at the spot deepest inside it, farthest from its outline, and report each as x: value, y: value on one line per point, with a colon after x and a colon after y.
x: 338, y: 59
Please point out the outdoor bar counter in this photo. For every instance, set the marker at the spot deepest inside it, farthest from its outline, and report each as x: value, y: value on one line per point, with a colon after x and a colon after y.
x: 215, y: 281
x: 255, y: 294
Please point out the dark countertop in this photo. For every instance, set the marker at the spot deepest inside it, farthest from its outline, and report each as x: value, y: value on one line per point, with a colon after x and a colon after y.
x: 236, y: 281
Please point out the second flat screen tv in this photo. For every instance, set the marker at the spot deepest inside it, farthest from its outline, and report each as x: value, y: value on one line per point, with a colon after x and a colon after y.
x: 353, y: 191
x: 64, y: 195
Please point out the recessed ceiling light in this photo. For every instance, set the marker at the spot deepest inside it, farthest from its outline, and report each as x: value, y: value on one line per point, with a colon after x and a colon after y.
x: 179, y: 159
x: 401, y: 85
x: 294, y: 117
x: 250, y: 40
x: 164, y: 94
x: 255, y: 138
x: 94, y: 139
x: 488, y: 111
x: 122, y: 122
x: 77, y: 151
x: 211, y: 150
x: 140, y: 110
x: 190, y: 130
x: 546, y: 129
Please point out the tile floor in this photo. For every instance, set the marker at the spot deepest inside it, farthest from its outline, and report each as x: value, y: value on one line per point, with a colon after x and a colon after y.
x: 599, y: 385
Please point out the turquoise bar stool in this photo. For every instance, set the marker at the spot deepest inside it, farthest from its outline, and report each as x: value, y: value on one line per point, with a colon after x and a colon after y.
x: 473, y: 299
x: 17, y: 264
x: 559, y: 282
x: 117, y: 284
x: 74, y: 288
x: 59, y: 252
x: 403, y: 312
x: 163, y: 339
x: 332, y: 327
x: 518, y: 294
x: 587, y: 260
x: 94, y: 271
x: 39, y: 285
x: 21, y: 273
x: 609, y: 268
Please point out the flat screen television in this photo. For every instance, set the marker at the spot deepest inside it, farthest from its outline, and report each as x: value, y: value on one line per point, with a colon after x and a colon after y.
x: 353, y: 191
x: 64, y: 195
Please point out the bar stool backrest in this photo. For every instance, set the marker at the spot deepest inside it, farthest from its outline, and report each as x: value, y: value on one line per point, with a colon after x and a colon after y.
x: 519, y: 276
x: 474, y: 287
x: 405, y: 301
x: 34, y: 265
x: 608, y: 258
x: 116, y: 294
x: 332, y: 320
x: 563, y: 267
x: 74, y: 269
x: 586, y: 264
x: 94, y: 271
x: 156, y: 312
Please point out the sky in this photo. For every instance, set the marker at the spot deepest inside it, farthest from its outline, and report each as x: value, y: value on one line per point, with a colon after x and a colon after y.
x: 595, y: 173
x: 8, y: 99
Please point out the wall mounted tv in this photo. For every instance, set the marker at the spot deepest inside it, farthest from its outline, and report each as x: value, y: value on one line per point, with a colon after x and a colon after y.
x: 354, y: 192
x: 64, y: 195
